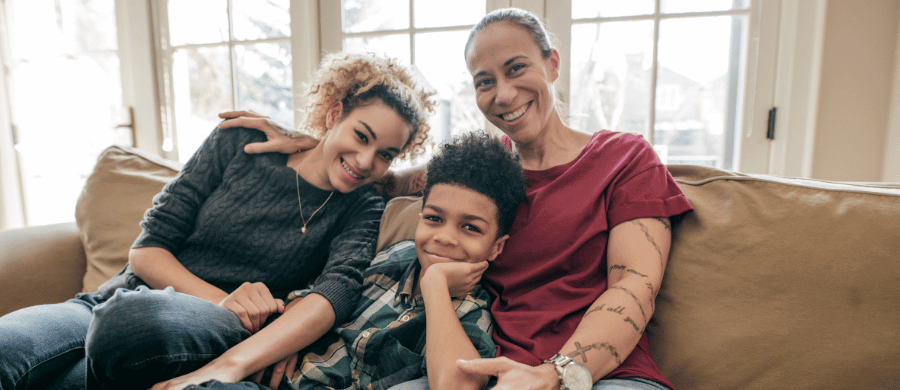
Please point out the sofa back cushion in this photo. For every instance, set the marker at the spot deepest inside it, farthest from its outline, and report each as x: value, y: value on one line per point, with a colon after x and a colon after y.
x: 780, y: 283
x: 112, y: 204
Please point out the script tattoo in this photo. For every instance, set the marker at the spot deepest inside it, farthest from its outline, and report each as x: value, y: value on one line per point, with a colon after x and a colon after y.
x: 638, y: 302
x: 652, y: 241
x: 581, y: 351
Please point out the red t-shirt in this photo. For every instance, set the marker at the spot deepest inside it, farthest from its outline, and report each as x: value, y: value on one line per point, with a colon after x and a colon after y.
x: 554, y: 265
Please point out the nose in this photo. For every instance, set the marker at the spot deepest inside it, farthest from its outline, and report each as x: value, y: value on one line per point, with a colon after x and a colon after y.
x: 366, y: 160
x: 444, y: 238
x: 506, y: 92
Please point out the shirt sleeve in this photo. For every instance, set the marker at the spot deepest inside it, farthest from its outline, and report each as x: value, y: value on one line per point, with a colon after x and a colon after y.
x: 350, y: 253
x: 478, y: 323
x: 645, y: 189
x: 171, y: 219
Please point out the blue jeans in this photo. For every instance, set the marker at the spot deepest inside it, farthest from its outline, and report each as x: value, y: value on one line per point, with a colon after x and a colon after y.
x: 134, y: 339
x: 603, y: 384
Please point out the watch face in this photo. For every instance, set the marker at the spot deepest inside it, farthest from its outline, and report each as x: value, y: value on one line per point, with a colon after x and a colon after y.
x: 577, y: 377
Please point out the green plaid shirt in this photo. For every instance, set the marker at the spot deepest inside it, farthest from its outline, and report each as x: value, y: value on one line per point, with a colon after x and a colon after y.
x: 384, y: 342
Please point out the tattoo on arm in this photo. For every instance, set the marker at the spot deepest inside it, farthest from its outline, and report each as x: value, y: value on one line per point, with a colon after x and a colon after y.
x: 640, y: 306
x: 652, y: 241
x: 581, y: 351
x: 665, y: 222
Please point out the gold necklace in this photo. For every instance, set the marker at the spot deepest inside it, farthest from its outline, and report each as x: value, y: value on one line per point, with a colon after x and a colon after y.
x: 303, y: 229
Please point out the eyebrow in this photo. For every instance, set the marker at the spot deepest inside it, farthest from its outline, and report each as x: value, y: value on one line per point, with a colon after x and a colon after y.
x: 375, y: 138
x: 505, y: 64
x: 467, y: 217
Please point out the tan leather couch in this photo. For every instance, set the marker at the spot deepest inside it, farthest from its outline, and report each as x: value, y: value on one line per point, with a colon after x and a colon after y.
x: 772, y: 283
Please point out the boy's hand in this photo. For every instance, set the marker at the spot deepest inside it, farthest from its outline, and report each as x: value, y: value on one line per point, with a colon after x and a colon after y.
x: 461, y: 278
x: 253, y: 304
x: 280, y: 139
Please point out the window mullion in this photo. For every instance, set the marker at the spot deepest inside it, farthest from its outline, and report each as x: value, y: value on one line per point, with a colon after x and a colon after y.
x: 654, y: 71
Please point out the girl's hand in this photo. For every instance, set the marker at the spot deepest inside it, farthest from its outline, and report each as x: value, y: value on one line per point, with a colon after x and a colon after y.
x: 513, y: 375
x: 253, y: 304
x: 280, y: 139
x: 461, y: 278
x: 206, y: 373
x: 284, y: 368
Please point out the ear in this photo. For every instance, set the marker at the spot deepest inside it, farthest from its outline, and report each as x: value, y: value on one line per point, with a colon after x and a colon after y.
x: 554, y: 65
x: 498, y: 247
x: 333, y: 114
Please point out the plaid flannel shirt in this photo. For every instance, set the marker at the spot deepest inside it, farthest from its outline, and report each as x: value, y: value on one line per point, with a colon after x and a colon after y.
x: 383, y: 342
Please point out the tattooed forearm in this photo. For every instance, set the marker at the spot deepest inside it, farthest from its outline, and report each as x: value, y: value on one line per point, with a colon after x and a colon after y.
x: 652, y: 241
x: 665, y: 222
x: 631, y: 271
x: 581, y: 351
x: 638, y: 302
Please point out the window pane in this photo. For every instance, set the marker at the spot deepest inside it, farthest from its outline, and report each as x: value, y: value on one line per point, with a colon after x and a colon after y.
x: 202, y: 89
x: 610, y: 8
x: 255, y: 19
x: 678, y: 6
x: 44, y: 28
x: 699, y: 68
x: 185, y: 27
x: 374, y: 15
x: 439, y: 56
x: 430, y: 13
x: 395, y: 46
x: 265, y: 80
x: 85, y: 106
x: 610, y: 76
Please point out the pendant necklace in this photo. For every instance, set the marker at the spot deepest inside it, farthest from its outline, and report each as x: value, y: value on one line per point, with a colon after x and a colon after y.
x: 303, y: 229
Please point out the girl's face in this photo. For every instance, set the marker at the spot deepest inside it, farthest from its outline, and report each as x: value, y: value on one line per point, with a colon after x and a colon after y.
x: 512, y: 80
x: 358, y: 148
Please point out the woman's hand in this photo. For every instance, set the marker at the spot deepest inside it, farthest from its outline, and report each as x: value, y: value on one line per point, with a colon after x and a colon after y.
x: 513, y: 375
x: 283, y: 368
x: 279, y: 138
x: 461, y: 278
x: 253, y: 304
x: 206, y: 373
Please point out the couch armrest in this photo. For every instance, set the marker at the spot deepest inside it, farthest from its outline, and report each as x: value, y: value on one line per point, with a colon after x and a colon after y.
x: 40, y: 264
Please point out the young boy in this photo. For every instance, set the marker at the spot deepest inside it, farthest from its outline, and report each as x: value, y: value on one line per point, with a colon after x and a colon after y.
x: 473, y: 188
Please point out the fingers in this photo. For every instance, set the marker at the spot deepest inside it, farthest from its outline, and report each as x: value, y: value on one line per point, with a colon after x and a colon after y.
x: 235, y: 114
x: 281, y: 369
x: 492, y: 367
x: 253, y: 304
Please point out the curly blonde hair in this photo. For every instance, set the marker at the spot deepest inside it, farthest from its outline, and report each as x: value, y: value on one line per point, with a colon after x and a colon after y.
x: 355, y: 80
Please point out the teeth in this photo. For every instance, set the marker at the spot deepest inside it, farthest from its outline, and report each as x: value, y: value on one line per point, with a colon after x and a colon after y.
x: 349, y: 172
x: 515, y: 114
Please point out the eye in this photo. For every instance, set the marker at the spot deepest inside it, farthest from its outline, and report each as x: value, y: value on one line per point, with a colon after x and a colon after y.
x: 432, y: 218
x: 362, y: 137
x: 472, y: 228
x: 483, y: 83
x: 515, y: 68
x: 387, y: 156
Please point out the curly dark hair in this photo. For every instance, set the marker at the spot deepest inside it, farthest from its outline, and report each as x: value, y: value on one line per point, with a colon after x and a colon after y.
x: 483, y: 164
x: 357, y: 80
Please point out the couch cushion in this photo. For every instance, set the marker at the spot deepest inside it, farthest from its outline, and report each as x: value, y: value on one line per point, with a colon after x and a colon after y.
x: 112, y: 205
x: 401, y: 215
x: 781, y: 283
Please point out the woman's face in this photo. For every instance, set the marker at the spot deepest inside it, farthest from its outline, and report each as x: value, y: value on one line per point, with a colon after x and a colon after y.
x: 358, y: 148
x: 512, y: 80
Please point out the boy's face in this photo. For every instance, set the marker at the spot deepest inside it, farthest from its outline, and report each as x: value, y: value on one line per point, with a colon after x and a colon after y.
x: 457, y: 224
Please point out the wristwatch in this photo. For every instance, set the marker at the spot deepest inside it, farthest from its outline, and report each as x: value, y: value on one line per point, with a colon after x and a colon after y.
x: 572, y: 375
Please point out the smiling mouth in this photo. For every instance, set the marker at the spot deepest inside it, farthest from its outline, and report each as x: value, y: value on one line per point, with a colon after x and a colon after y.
x: 441, y: 257
x: 350, y: 170
x: 512, y: 116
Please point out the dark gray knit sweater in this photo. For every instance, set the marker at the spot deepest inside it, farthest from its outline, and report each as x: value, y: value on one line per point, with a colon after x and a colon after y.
x: 232, y: 217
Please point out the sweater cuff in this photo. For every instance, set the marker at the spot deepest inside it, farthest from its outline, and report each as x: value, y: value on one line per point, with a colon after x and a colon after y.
x: 342, y: 296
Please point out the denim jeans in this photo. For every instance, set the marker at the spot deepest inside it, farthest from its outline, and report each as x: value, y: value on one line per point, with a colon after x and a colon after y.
x: 603, y: 384
x: 134, y: 339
